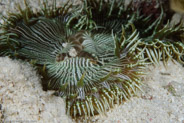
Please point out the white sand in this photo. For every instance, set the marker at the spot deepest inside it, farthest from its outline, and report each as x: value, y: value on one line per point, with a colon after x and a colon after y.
x: 22, y: 98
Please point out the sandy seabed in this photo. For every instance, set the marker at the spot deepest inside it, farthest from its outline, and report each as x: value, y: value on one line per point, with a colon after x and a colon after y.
x: 23, y: 100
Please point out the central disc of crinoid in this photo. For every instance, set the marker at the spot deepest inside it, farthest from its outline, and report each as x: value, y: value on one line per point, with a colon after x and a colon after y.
x: 83, y: 61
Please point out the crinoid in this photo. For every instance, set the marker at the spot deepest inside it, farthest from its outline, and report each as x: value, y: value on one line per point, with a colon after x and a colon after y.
x: 91, y: 55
